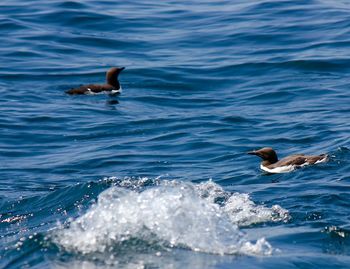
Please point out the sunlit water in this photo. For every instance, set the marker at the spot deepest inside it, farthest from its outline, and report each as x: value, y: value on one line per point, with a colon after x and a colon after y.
x: 158, y: 177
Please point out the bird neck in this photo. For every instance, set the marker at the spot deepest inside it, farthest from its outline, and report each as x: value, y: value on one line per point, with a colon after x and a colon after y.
x: 265, y: 163
x: 114, y: 82
x: 269, y: 161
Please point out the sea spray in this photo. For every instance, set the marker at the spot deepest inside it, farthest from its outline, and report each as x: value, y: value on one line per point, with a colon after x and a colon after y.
x: 169, y: 214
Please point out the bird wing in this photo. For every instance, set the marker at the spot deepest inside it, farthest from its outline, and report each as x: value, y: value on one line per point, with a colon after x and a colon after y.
x: 317, y: 158
x: 291, y: 160
x: 92, y: 88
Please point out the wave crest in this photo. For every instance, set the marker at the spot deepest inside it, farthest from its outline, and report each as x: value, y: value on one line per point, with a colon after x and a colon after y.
x: 200, y: 217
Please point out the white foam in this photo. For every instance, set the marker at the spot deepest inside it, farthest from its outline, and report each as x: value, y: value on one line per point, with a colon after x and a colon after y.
x: 244, y: 212
x: 240, y: 208
x: 172, y: 214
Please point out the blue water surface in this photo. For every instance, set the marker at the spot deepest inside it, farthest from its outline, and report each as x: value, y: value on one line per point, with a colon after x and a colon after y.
x: 205, y: 82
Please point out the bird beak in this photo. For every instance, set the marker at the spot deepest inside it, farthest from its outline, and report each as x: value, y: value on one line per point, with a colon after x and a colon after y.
x: 122, y: 68
x: 252, y: 152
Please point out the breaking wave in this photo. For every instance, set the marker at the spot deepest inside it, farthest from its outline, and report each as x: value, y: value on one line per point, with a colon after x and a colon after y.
x: 164, y: 215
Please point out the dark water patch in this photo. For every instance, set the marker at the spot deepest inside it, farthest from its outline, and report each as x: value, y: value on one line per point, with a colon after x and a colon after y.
x: 9, y: 25
x: 71, y: 5
x: 301, y: 65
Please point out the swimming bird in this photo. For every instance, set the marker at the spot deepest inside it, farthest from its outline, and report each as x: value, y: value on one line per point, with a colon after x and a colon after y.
x: 271, y: 164
x: 112, y: 85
